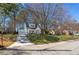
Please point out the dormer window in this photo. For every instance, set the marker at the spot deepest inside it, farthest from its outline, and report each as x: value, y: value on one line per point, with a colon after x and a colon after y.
x: 31, y: 25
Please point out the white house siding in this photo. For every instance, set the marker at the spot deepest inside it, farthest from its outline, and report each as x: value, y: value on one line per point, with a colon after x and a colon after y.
x: 30, y: 29
x: 37, y: 31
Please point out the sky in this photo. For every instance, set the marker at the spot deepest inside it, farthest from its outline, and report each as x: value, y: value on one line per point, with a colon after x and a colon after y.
x: 73, y: 10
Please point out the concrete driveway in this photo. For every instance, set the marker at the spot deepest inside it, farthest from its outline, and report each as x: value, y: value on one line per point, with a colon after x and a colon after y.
x: 70, y: 47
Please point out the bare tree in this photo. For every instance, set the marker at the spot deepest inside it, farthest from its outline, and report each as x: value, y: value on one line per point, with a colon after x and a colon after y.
x: 46, y: 12
x: 42, y: 13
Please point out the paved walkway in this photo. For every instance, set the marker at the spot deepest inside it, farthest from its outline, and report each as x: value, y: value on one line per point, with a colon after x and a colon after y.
x: 60, y: 48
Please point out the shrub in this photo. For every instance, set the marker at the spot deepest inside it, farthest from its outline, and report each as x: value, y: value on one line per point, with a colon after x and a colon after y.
x: 52, y: 38
x: 40, y: 39
x: 46, y: 31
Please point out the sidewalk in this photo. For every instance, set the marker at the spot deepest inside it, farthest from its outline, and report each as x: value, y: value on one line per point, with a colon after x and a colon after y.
x: 31, y: 46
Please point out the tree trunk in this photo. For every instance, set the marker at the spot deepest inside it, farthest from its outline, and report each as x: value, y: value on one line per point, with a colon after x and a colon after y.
x: 14, y: 23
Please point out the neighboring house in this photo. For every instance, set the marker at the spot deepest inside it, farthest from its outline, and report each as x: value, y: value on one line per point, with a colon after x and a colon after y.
x: 65, y: 32
x: 31, y: 28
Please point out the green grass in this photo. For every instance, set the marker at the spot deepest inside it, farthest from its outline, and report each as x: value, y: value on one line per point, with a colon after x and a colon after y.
x: 42, y: 39
x: 8, y: 36
x: 67, y: 37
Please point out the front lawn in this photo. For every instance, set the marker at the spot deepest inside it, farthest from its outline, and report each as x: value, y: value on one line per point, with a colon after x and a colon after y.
x: 8, y: 36
x: 67, y: 37
x: 44, y: 39
x: 9, y: 39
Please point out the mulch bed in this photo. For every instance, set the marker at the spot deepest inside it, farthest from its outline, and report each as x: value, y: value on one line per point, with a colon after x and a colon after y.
x: 6, y: 42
